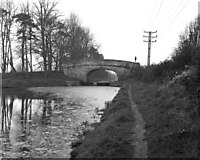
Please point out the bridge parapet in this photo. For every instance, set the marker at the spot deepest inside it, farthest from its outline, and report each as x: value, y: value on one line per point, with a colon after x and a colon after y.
x: 105, y: 62
x: 80, y: 69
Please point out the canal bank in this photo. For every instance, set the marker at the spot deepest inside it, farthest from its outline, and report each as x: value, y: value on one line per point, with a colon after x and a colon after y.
x: 36, y: 79
x: 162, y: 124
x: 120, y: 133
x: 24, y: 80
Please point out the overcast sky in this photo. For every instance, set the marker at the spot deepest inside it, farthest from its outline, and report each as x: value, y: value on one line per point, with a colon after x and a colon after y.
x: 119, y: 25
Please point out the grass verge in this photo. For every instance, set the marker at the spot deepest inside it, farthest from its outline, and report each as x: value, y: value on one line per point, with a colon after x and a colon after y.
x: 171, y: 116
x: 171, y: 123
x: 111, y: 138
x: 34, y: 79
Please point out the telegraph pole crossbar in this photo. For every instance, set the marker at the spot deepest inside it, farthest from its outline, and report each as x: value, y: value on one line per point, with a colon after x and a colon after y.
x: 150, y: 37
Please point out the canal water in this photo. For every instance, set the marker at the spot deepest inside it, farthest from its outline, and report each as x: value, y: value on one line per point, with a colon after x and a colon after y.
x: 46, y: 127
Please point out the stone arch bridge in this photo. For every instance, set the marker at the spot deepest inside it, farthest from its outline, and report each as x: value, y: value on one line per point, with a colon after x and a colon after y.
x: 80, y: 69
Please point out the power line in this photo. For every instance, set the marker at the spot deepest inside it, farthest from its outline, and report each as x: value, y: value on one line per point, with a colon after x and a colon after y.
x: 153, y: 11
x: 157, y: 13
x: 151, y: 14
x: 173, y: 12
x: 176, y: 9
x: 150, y: 37
x: 178, y: 12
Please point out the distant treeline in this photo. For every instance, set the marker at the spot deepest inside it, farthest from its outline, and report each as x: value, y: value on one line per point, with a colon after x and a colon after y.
x: 37, y: 31
x: 185, y: 56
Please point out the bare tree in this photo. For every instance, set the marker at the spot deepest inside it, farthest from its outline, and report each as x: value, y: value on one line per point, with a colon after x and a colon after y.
x: 42, y: 33
x: 32, y: 35
x: 188, y: 49
x: 82, y: 43
x: 45, y: 13
x: 61, y: 44
x: 25, y: 33
x: 7, y: 11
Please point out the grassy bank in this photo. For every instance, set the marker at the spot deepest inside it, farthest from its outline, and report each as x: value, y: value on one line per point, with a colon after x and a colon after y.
x: 112, y: 137
x: 34, y: 79
x: 171, y: 117
x: 171, y: 123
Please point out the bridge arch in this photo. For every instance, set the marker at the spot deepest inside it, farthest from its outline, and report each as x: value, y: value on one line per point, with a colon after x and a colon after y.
x: 80, y: 69
x: 102, y: 74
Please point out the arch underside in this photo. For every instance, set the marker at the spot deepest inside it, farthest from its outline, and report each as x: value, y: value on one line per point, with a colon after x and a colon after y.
x: 101, y: 75
x: 120, y: 72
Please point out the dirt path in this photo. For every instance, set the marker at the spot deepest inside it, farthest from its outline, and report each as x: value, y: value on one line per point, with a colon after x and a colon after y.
x: 139, y: 142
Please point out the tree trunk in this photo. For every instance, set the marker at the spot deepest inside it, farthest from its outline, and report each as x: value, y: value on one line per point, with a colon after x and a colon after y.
x: 11, y: 58
x: 26, y: 54
x: 50, y: 54
x: 60, y: 61
x: 3, y: 47
x: 30, y: 50
x: 23, y: 46
x: 3, y: 57
x: 56, y: 65
x: 47, y: 51
x: 43, y: 38
x: 6, y: 48
x: 22, y: 58
x: 31, y: 58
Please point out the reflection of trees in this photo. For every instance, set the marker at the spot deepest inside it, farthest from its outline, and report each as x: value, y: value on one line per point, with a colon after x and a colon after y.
x: 21, y: 113
x: 47, y: 110
x: 7, y: 111
x: 26, y: 116
x: 7, y: 108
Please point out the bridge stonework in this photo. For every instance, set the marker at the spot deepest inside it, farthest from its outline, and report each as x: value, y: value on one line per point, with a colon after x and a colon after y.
x: 80, y: 69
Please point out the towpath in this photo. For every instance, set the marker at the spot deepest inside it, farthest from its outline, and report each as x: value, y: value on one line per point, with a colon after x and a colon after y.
x: 139, y: 142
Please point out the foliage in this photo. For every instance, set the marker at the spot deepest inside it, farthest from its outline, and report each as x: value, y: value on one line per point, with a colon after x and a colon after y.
x: 185, y: 58
x: 188, y: 50
x: 43, y: 36
x: 7, y: 10
x: 24, y: 33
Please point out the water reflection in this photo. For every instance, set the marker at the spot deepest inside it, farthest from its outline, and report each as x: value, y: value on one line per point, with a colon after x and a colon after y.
x: 23, y: 111
x: 6, y: 114
x: 45, y: 128
x: 18, y: 118
x: 41, y: 127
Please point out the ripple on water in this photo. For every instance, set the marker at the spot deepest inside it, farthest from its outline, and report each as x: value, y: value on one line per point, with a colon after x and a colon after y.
x: 45, y: 128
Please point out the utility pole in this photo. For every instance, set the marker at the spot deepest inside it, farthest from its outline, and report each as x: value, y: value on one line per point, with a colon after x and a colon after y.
x: 198, y: 20
x: 150, y: 37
